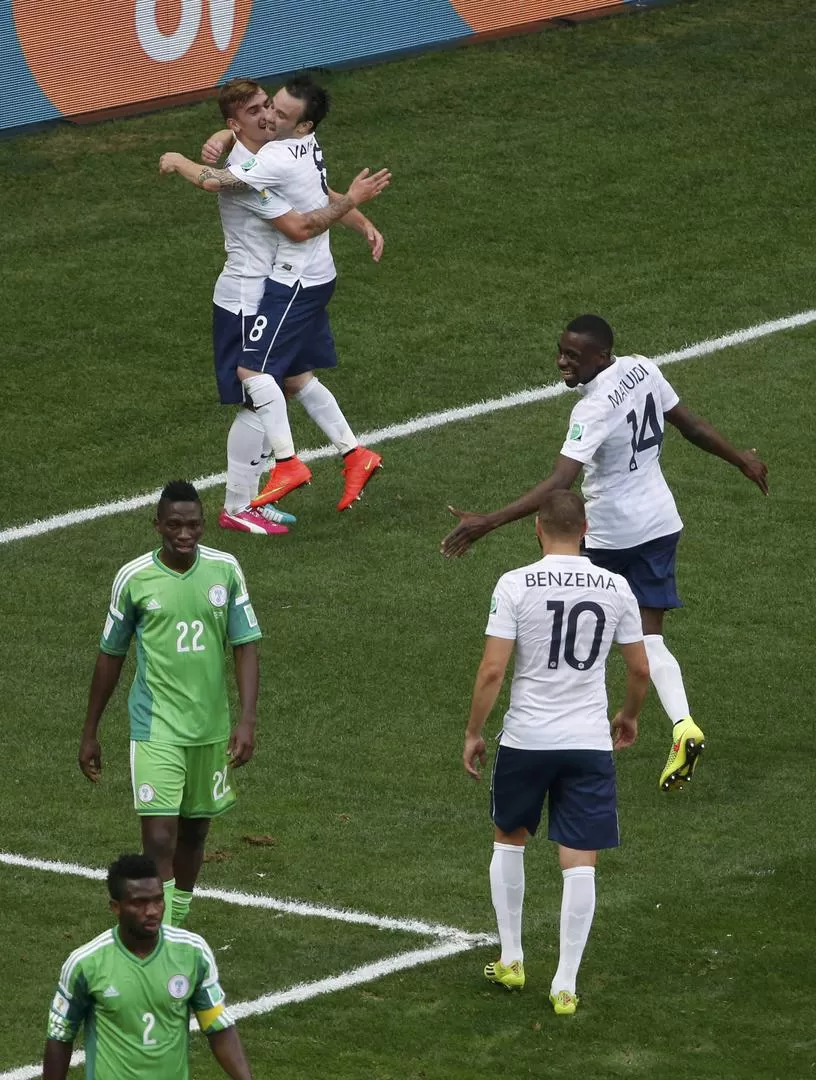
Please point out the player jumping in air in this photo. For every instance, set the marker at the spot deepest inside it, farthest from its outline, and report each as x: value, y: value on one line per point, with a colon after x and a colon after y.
x: 184, y: 603
x: 615, y: 435
x: 560, y: 615
x: 134, y: 988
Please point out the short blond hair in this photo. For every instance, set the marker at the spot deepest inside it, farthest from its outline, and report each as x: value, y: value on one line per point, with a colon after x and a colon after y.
x: 235, y: 93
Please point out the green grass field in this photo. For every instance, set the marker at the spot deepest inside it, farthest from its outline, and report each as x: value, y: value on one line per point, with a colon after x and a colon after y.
x: 653, y: 168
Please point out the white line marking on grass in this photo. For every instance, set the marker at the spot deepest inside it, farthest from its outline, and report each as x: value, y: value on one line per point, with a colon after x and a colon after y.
x: 270, y: 903
x: 306, y: 991
x: 409, y: 427
x: 450, y: 942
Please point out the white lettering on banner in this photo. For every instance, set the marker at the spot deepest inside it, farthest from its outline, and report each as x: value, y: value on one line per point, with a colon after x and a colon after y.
x: 222, y: 20
x: 164, y: 48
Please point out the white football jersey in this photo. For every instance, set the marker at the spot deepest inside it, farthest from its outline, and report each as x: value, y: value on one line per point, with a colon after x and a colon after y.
x: 250, y: 241
x: 294, y: 171
x: 563, y: 614
x: 616, y: 432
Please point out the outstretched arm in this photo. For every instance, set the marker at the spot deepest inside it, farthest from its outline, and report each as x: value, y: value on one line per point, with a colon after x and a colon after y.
x: 206, y: 177
x: 103, y: 683
x: 228, y: 1051
x: 698, y: 431
x: 473, y: 526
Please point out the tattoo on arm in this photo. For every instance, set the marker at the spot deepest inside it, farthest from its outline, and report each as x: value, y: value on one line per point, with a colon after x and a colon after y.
x: 224, y: 178
x: 317, y: 221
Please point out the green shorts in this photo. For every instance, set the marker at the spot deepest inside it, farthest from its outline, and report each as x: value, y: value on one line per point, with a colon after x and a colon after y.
x: 186, y: 781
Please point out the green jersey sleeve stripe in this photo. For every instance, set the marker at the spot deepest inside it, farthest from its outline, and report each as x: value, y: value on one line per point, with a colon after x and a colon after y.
x: 123, y: 577
x: 69, y: 967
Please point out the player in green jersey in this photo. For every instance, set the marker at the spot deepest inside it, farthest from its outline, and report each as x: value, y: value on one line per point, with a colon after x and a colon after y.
x: 134, y: 988
x: 184, y: 603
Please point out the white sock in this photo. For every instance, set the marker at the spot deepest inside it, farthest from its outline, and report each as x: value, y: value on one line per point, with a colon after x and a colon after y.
x: 270, y: 408
x: 667, y: 678
x: 245, y: 443
x: 321, y: 405
x: 507, y: 892
x: 577, y: 910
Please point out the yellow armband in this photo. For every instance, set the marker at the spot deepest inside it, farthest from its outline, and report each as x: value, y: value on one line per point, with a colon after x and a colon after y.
x: 207, y: 1017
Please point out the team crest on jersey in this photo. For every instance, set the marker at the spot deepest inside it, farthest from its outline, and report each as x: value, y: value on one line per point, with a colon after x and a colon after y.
x: 218, y: 595
x: 178, y: 986
x: 146, y: 793
x: 576, y: 432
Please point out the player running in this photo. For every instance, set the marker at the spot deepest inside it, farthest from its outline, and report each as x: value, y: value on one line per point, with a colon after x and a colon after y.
x: 615, y: 435
x: 252, y: 225
x: 560, y: 615
x: 290, y: 336
x: 134, y: 987
x: 184, y: 602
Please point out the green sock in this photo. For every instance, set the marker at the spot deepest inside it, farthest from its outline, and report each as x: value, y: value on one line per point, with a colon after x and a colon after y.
x: 181, y: 906
x: 169, y: 888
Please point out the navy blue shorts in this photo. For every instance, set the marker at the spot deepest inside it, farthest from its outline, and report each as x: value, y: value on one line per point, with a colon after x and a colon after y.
x: 582, y: 810
x: 228, y: 346
x: 649, y: 569
x: 291, y: 332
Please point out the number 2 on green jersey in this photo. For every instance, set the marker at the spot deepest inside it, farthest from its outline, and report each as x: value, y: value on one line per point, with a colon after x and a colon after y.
x: 149, y: 1021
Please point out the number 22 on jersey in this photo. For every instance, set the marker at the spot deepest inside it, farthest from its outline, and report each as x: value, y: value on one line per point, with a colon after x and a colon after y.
x: 193, y: 631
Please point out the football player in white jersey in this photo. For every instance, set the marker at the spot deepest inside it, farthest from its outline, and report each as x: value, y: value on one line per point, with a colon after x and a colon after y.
x: 615, y: 435
x: 290, y: 336
x: 559, y: 616
x: 252, y: 225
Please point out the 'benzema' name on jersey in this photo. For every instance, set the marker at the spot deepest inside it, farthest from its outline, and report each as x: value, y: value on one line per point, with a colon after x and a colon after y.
x: 567, y: 578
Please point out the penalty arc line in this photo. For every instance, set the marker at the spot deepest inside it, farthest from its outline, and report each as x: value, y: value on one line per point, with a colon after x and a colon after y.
x: 410, y: 427
x: 267, y: 1003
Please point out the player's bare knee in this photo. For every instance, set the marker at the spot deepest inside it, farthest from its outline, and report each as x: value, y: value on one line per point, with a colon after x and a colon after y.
x: 159, y: 838
x: 569, y: 858
x: 294, y: 385
x: 193, y: 831
x: 517, y: 837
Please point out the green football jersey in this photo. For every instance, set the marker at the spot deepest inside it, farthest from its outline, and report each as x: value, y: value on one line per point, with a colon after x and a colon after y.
x: 136, y: 1011
x: 182, y: 624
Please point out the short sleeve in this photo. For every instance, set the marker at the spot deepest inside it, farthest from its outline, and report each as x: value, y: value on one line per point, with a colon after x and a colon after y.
x: 502, y: 620
x: 630, y: 625
x: 588, y: 429
x: 208, y: 1000
x: 266, y: 204
x: 70, y: 1004
x: 242, y: 622
x: 668, y: 395
x: 120, y: 623
x: 263, y: 170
